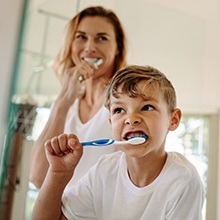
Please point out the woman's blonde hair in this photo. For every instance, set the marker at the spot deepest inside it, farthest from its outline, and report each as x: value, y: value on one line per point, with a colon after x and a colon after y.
x: 64, y: 61
x: 128, y: 79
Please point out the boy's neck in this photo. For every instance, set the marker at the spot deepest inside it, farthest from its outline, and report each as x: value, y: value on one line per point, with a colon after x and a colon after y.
x: 144, y: 173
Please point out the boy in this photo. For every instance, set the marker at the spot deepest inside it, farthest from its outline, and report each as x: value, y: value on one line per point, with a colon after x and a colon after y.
x: 139, y: 181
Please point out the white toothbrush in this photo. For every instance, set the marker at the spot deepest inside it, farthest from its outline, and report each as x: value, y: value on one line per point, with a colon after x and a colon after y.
x: 107, y: 142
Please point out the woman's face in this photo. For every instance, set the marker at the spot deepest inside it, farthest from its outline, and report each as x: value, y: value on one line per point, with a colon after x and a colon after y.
x: 95, y: 38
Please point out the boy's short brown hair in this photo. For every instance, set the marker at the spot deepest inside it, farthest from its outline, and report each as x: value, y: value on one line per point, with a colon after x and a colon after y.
x: 128, y: 78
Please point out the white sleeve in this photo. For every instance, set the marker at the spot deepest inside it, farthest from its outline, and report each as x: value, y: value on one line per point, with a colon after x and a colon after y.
x: 188, y: 203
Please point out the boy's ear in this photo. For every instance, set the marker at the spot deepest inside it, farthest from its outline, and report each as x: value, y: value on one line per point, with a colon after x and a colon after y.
x: 175, y: 119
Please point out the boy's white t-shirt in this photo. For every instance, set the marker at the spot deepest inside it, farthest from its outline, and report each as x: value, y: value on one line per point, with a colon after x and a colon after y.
x: 98, y: 127
x: 106, y: 192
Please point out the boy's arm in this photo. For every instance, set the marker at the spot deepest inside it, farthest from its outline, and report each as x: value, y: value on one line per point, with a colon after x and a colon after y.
x: 189, y: 204
x: 63, y: 154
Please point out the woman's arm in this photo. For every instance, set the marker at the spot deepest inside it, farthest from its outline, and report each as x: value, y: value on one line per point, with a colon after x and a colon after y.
x: 71, y: 89
x: 54, y: 127
x: 48, y: 203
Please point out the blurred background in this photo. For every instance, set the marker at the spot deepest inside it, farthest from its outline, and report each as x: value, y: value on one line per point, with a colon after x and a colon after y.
x: 180, y: 38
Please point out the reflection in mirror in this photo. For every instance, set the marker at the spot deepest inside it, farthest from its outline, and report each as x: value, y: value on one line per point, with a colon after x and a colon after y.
x: 177, y: 38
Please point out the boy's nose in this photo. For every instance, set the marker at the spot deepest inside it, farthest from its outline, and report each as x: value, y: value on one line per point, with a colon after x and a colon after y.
x: 133, y: 120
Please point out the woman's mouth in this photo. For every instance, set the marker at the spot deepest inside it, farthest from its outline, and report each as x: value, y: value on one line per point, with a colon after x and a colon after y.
x: 96, y: 61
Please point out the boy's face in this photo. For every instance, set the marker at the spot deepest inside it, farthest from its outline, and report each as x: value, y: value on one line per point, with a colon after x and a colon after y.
x: 143, y: 115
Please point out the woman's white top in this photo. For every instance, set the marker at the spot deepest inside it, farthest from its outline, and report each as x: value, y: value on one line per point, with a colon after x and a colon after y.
x: 106, y: 192
x: 97, y: 127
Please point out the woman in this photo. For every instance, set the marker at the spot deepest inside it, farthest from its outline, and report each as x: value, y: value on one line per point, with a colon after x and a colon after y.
x: 93, y: 50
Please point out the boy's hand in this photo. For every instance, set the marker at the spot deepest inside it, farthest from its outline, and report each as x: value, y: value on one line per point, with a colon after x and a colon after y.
x: 63, y: 152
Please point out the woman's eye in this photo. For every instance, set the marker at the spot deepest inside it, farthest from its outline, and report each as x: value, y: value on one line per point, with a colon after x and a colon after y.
x: 101, y: 38
x: 117, y: 110
x: 147, y: 108
x: 80, y: 36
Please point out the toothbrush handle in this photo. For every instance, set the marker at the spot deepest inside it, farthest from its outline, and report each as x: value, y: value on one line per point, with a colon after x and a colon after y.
x: 96, y: 143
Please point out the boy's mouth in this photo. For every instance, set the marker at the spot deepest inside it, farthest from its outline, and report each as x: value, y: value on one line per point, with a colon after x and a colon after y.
x: 130, y: 135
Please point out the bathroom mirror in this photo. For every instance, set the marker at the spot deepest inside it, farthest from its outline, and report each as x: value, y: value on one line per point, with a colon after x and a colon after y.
x: 179, y: 38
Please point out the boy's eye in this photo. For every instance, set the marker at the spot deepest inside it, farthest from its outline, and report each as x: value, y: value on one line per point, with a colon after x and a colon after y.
x: 147, y: 108
x: 117, y: 110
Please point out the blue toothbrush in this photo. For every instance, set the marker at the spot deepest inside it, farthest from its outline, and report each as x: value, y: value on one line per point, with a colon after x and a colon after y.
x: 107, y: 142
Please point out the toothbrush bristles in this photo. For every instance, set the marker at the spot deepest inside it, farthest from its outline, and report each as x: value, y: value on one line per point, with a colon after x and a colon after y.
x: 99, y: 62
x: 138, y: 139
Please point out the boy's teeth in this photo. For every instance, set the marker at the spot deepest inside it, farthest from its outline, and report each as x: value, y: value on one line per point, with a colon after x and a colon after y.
x: 136, y: 135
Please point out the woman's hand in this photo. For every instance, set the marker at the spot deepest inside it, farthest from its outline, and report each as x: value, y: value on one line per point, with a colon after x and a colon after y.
x: 63, y: 153
x: 72, y: 81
